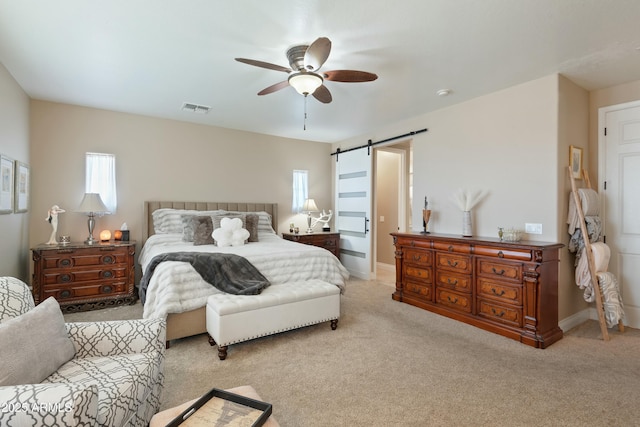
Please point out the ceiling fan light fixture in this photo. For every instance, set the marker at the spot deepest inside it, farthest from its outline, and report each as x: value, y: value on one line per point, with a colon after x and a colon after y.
x: 304, y: 82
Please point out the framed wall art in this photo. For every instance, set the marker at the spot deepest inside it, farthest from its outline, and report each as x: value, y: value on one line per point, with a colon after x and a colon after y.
x: 6, y: 184
x: 575, y: 161
x: 21, y: 197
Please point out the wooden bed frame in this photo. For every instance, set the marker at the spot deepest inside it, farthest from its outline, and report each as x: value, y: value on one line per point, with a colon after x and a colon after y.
x: 181, y: 325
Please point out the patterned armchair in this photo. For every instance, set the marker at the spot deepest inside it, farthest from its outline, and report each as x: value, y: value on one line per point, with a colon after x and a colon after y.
x: 114, y: 377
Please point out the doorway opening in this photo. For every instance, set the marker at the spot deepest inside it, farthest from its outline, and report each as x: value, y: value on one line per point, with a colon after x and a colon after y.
x: 392, y: 197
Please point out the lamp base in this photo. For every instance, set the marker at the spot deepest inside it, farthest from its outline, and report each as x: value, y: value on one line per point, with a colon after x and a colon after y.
x: 309, y: 230
x: 91, y: 241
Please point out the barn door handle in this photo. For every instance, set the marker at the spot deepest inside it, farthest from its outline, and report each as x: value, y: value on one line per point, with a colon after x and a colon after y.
x: 366, y: 225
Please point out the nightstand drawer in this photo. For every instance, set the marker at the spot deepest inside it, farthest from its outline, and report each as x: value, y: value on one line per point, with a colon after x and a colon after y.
x: 86, y: 291
x: 328, y: 241
x: 83, y: 275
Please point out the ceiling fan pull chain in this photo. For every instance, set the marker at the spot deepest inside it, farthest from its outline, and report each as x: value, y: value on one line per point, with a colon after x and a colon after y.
x: 304, y: 126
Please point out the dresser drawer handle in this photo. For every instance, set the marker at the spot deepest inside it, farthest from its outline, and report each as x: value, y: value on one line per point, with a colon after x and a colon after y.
x: 496, y: 292
x: 500, y: 254
x: 452, y: 264
x: 65, y: 262
x: 106, y: 289
x: 64, y: 278
x: 417, y: 257
x: 107, y: 274
x: 495, y: 313
x: 108, y: 259
x: 64, y: 294
x: 452, y: 282
x: 452, y: 301
x: 450, y: 248
x: 499, y: 273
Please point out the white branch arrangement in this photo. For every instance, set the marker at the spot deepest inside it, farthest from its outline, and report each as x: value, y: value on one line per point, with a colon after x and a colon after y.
x: 466, y: 200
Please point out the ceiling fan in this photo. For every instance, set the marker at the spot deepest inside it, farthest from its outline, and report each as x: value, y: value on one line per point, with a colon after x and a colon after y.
x: 304, y: 77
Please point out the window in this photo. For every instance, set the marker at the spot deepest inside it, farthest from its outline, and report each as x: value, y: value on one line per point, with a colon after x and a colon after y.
x: 300, y: 190
x: 101, y: 178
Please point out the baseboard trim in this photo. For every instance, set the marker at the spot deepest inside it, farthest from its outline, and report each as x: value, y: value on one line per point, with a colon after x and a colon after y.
x: 578, y: 318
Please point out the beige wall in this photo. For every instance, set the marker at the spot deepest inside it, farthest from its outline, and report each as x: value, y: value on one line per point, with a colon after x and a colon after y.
x: 509, y: 144
x: 159, y: 159
x: 388, y: 171
x: 14, y: 143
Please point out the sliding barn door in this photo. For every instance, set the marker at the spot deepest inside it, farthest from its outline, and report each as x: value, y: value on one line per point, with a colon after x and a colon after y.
x: 353, y: 210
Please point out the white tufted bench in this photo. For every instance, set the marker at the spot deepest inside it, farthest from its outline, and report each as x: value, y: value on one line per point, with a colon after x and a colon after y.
x: 235, y: 318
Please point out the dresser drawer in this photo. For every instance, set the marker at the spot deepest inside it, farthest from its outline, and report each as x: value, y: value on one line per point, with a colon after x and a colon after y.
x: 72, y: 258
x: 500, y: 291
x: 453, y: 281
x: 52, y: 277
x: 504, y: 253
x: 420, y: 257
x: 496, y: 269
x: 453, y: 299
x: 500, y: 313
x: 453, y: 247
x: 414, y: 272
x: 420, y: 290
x: 83, y: 291
x: 458, y: 263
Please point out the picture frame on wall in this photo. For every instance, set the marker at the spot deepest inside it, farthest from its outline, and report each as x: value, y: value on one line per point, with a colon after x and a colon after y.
x: 575, y: 161
x: 22, y: 182
x: 6, y: 184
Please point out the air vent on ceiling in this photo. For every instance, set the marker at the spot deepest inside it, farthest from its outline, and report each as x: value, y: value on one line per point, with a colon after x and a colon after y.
x: 201, y: 109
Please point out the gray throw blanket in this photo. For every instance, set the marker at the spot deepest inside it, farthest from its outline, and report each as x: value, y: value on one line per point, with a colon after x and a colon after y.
x: 229, y: 273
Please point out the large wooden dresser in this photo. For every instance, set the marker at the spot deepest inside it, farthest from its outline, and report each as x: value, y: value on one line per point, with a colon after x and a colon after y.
x: 84, y: 277
x: 509, y: 288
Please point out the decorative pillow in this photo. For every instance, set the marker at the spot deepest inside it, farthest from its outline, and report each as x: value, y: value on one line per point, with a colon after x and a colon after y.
x: 34, y: 345
x: 264, y: 221
x: 230, y: 232
x: 202, y: 229
x: 251, y: 224
x: 187, y: 223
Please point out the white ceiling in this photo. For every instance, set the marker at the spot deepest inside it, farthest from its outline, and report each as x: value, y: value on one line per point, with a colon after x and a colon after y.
x: 151, y: 56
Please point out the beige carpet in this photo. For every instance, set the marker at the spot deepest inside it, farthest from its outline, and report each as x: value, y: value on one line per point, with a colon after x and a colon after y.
x: 389, y: 363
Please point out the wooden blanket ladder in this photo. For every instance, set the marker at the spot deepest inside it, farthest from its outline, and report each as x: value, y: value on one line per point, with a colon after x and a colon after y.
x: 592, y: 266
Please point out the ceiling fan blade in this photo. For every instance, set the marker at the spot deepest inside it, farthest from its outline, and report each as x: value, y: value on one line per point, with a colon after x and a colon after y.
x: 317, y: 53
x: 262, y: 64
x: 349, y: 76
x: 322, y: 94
x: 274, y: 88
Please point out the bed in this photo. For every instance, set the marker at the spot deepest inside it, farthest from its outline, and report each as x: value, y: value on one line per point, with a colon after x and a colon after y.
x: 178, y: 293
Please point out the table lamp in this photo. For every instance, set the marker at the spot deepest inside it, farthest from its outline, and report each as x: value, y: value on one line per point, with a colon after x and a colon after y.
x: 92, y: 204
x: 309, y: 206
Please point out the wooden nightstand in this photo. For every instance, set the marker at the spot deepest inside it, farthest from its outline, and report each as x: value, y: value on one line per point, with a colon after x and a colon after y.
x: 329, y: 241
x: 85, y: 277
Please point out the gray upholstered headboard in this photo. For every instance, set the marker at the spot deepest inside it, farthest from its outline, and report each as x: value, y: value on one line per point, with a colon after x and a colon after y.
x: 149, y: 207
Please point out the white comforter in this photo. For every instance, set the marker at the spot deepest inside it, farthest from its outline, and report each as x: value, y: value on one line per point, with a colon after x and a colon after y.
x: 176, y: 287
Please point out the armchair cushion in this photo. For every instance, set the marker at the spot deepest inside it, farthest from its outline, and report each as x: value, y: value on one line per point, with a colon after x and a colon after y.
x: 58, y: 404
x: 34, y: 345
x: 15, y: 298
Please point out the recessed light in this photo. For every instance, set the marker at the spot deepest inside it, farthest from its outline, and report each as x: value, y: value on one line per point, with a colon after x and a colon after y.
x: 443, y: 92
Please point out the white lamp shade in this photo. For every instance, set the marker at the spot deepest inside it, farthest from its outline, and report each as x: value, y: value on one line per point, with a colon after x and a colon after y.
x: 305, y: 83
x: 92, y: 202
x: 310, y: 206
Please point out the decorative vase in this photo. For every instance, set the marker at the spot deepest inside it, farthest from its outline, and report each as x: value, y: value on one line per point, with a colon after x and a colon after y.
x: 466, y: 224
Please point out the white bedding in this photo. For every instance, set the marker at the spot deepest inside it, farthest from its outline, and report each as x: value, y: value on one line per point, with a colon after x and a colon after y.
x: 176, y: 287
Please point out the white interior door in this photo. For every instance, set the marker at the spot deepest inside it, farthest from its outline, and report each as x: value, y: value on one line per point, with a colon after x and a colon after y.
x: 620, y: 184
x: 353, y: 210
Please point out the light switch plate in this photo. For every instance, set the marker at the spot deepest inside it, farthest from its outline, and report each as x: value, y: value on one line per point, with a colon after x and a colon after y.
x: 530, y: 228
